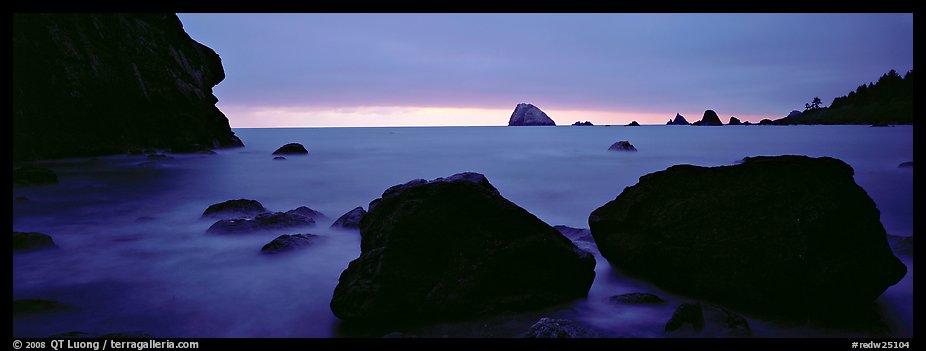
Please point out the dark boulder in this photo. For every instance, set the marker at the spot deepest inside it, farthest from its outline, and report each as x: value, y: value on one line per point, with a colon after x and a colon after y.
x: 575, y: 234
x: 813, y: 239
x: 29, y: 241
x: 284, y: 243
x: 908, y: 164
x: 100, y: 84
x: 234, y: 208
x: 262, y: 222
x: 529, y: 115
x: 549, y: 328
x: 586, y: 123
x: 291, y: 149
x: 695, y: 319
x: 454, y: 247
x: 622, y: 145
x: 33, y: 175
x: 734, y: 122
x: 710, y: 118
x: 349, y: 220
x: 636, y: 298
x: 633, y: 124
x: 678, y: 121
x: 308, y: 213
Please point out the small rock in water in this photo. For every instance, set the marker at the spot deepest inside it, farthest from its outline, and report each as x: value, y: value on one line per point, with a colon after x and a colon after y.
x: 279, y: 158
x: 636, y: 298
x: 36, y: 306
x: 349, y: 220
x: 549, y: 328
x: 263, y: 221
x: 706, y: 321
x: 622, y: 145
x: 308, y: 213
x: 633, y: 124
x: 33, y: 175
x: 28, y: 241
x: 906, y: 165
x: 285, y: 243
x: 233, y: 208
x: 291, y: 149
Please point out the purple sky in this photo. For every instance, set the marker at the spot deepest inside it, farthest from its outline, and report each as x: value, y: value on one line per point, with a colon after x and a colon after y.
x: 472, y: 69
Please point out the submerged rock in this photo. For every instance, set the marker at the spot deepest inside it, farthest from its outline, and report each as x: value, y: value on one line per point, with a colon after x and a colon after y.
x: 636, y: 298
x: 291, y: 149
x: 234, y: 208
x: 696, y: 320
x: 454, y: 247
x: 622, y: 145
x: 36, y: 306
x: 29, y: 241
x: 349, y: 220
x: 262, y: 222
x: 678, y: 121
x: 710, y: 118
x: 33, y: 175
x: 308, y: 213
x: 284, y: 243
x: 529, y: 115
x: 549, y: 328
x: 813, y: 239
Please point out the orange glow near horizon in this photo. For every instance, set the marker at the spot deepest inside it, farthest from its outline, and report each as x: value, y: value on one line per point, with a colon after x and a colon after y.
x: 409, y: 116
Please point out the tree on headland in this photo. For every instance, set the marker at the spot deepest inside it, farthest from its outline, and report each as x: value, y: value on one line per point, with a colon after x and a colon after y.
x: 814, y: 104
x: 887, y: 101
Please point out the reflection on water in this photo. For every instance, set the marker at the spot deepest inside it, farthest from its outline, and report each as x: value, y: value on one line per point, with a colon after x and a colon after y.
x: 134, y: 255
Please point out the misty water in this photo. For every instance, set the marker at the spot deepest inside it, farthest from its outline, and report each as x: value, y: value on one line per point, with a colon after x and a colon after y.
x: 134, y: 254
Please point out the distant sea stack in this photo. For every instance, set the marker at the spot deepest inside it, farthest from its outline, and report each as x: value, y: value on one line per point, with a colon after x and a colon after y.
x: 678, y: 121
x: 734, y: 121
x: 709, y: 119
x: 529, y: 115
x: 98, y: 84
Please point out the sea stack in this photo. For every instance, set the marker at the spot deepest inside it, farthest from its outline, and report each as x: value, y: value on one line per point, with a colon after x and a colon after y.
x: 678, y: 121
x: 103, y: 84
x: 734, y: 122
x: 529, y: 115
x: 710, y: 118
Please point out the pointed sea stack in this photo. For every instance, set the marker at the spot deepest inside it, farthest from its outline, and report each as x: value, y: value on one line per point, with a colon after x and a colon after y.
x: 529, y: 115
x: 678, y: 121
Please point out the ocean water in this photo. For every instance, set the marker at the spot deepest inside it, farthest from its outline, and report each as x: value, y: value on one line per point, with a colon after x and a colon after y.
x: 134, y: 255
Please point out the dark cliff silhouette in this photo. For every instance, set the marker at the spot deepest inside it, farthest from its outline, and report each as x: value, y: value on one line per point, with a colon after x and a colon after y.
x: 98, y: 84
x: 887, y: 101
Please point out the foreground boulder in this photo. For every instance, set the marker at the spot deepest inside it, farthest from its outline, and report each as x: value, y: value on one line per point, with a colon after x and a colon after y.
x: 529, y: 115
x: 454, y: 247
x: 234, y: 208
x: 284, y: 243
x: 549, y: 328
x: 33, y: 175
x: 97, y: 84
x: 29, y: 241
x: 622, y: 145
x: 291, y: 149
x: 308, y: 213
x: 262, y: 222
x: 811, y: 240
x: 697, y: 320
x: 710, y: 118
x: 349, y: 220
